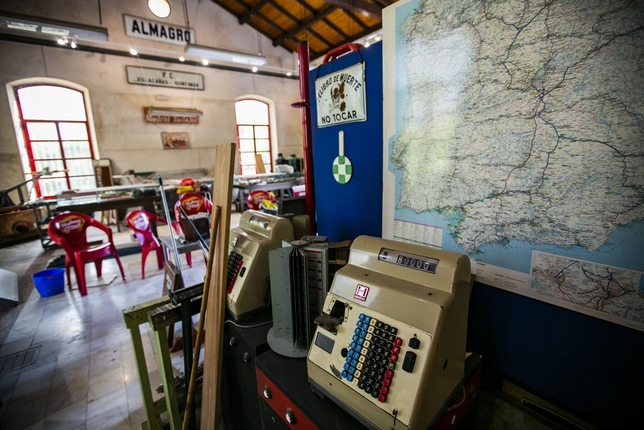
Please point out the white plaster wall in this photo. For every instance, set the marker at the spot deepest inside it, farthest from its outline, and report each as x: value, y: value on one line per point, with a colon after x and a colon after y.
x: 122, y: 135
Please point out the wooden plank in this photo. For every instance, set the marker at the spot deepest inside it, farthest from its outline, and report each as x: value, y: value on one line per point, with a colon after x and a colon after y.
x: 259, y: 164
x: 138, y: 314
x: 134, y: 316
x: 153, y: 421
x: 167, y: 378
x: 222, y: 197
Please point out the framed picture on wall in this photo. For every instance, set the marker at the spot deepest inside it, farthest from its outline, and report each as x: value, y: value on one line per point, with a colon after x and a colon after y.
x: 175, y: 140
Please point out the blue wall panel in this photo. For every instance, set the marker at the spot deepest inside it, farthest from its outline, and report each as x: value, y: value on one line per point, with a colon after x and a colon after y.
x: 347, y: 211
x: 589, y: 365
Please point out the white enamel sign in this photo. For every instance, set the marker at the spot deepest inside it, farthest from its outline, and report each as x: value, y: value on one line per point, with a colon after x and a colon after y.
x: 164, y: 78
x: 158, y: 31
x: 340, y: 97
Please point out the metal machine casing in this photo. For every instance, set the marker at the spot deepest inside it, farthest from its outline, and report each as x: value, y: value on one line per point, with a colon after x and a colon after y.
x: 248, y: 270
x: 424, y: 307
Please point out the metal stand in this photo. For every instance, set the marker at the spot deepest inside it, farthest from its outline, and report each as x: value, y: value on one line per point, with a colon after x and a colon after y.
x: 179, y: 298
x: 5, y: 200
x: 160, y: 314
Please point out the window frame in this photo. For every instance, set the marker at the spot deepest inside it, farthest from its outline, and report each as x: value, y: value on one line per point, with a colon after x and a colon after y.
x: 27, y: 141
x: 270, y: 164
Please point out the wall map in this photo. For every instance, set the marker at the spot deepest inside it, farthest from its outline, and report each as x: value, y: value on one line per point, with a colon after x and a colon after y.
x: 516, y: 129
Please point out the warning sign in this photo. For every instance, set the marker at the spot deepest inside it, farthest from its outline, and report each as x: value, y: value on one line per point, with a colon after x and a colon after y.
x: 340, y: 97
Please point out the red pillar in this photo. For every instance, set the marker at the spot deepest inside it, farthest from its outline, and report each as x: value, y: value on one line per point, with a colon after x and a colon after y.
x: 307, y: 149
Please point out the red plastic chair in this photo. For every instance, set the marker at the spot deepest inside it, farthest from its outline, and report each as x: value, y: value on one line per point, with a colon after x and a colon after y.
x: 69, y: 231
x: 193, y: 204
x: 140, y: 222
x: 255, y: 199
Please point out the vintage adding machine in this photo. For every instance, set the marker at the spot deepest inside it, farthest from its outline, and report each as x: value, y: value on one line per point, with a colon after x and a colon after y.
x: 248, y: 274
x: 390, y: 345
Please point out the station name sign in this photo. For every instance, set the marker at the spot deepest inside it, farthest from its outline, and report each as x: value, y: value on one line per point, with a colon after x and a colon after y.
x: 158, y: 31
x: 164, y: 78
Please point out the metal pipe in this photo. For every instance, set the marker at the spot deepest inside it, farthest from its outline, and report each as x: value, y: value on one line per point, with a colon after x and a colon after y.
x: 202, y: 242
x: 167, y: 216
x: 305, y: 112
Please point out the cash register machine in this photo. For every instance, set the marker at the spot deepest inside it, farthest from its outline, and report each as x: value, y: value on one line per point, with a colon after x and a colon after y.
x: 389, y: 347
x: 248, y: 272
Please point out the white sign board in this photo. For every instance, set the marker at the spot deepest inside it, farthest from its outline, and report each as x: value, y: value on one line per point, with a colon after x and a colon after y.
x: 158, y: 31
x: 340, y: 97
x: 163, y: 78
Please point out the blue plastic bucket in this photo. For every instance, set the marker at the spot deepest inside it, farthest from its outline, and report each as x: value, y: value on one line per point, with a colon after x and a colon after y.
x: 49, y: 282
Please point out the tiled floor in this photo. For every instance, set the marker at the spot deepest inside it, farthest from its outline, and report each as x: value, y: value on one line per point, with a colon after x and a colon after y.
x: 85, y: 377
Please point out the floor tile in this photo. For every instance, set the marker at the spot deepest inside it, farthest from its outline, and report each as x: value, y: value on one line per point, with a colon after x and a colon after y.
x: 107, y: 402
x: 112, y: 419
x: 7, y: 383
x: 73, y: 416
x: 67, y: 389
x: 11, y: 346
x: 33, y: 383
x: 105, y: 383
x: 22, y: 413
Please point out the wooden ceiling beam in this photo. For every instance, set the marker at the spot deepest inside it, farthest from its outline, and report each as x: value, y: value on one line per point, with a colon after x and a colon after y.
x: 355, y: 18
x: 286, y: 13
x: 371, y: 10
x: 364, y: 33
x: 353, y: 9
x: 385, y: 3
x: 302, y: 26
x: 329, y: 23
x: 317, y: 36
x: 260, y: 16
x: 252, y: 12
x: 275, y: 26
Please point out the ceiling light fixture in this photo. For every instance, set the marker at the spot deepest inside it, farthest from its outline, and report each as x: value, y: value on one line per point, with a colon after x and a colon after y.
x: 223, y: 55
x: 182, y: 59
x: 204, y: 62
x: 45, y: 28
x: 160, y: 8
x: 133, y: 51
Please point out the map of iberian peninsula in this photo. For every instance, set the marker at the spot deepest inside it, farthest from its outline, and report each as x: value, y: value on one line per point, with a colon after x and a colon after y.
x: 524, y: 120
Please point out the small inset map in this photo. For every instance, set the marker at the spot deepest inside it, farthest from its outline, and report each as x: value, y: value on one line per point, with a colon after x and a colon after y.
x: 598, y: 288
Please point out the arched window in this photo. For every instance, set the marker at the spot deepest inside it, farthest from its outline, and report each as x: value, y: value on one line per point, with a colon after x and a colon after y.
x: 253, y: 135
x: 56, y: 137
